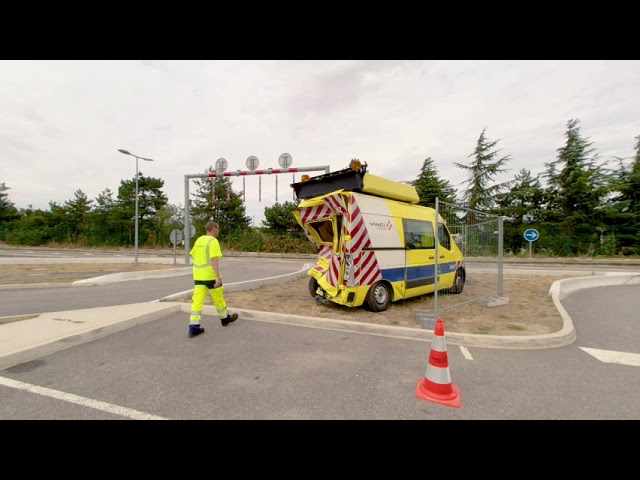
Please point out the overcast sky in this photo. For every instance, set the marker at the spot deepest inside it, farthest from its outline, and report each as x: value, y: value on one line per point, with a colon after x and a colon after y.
x: 62, y: 122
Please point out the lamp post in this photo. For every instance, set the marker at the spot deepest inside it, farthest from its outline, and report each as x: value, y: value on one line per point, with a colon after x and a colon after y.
x: 136, y: 224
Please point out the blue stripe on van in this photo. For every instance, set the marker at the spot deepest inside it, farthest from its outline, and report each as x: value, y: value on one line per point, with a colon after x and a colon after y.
x: 424, y: 271
x: 393, y: 274
x: 415, y: 273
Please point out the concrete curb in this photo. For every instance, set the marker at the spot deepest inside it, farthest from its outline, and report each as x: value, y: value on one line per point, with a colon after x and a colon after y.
x: 538, y: 342
x: 129, y: 276
x: 562, y: 288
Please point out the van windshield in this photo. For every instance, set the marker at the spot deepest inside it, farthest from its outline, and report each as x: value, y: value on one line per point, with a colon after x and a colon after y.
x: 444, y: 238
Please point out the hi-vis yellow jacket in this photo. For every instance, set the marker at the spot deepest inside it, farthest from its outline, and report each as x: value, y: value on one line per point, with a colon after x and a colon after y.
x: 205, y: 248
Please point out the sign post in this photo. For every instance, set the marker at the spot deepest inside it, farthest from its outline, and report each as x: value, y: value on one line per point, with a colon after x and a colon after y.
x: 176, y: 237
x: 531, y: 235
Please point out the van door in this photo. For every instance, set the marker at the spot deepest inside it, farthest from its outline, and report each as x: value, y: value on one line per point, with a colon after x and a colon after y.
x: 419, y: 257
x: 322, y: 220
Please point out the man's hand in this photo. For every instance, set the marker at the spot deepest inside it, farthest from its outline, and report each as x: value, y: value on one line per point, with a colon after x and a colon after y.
x: 217, y: 283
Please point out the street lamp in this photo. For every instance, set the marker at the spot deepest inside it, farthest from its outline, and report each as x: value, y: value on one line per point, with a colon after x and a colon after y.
x: 136, y: 227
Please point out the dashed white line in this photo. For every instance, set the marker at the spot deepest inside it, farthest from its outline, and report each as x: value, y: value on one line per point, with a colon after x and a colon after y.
x: 87, y: 402
x: 611, y: 356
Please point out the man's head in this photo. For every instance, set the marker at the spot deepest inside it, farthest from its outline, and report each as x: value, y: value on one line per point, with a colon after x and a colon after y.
x: 212, y: 227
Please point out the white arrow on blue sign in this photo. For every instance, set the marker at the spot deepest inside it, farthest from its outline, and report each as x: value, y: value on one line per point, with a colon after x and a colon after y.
x: 531, y: 234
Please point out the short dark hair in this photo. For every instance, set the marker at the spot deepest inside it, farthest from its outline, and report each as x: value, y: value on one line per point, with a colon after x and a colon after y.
x: 210, y: 225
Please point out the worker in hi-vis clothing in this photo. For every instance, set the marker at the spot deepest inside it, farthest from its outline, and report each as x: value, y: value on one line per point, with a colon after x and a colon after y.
x: 207, y: 278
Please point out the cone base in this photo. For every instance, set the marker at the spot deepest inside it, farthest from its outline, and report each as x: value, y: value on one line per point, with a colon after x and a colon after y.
x: 450, y: 400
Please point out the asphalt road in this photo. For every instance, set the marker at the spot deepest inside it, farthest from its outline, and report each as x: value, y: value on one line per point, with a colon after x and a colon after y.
x: 262, y: 370
x: 52, y: 298
x: 47, y: 252
x: 256, y: 369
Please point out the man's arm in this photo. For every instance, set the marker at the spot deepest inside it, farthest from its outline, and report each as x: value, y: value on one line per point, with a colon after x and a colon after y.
x: 215, y: 264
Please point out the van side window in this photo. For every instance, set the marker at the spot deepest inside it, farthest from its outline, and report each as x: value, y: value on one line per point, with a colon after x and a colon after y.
x: 418, y: 234
x: 443, y: 236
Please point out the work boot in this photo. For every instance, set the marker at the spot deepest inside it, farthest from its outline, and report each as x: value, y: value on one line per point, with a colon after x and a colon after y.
x: 230, y: 318
x: 195, y: 330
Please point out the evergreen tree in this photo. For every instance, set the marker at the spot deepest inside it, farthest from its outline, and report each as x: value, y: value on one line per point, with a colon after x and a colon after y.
x: 169, y: 218
x: 521, y: 206
x: 624, y: 216
x: 523, y: 203
x: 220, y: 204
x: 481, y: 191
x: 576, y: 188
x: 105, y: 202
x: 75, y: 215
x: 429, y: 185
x: 55, y: 226
x: 105, y: 223
x: 279, y: 218
x: 33, y: 228
x: 151, y: 199
x: 8, y: 211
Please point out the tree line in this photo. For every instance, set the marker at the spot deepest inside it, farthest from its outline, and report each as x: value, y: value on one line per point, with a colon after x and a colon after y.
x: 579, y: 204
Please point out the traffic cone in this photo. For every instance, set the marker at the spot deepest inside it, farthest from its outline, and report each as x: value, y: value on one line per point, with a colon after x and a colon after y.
x: 436, y: 384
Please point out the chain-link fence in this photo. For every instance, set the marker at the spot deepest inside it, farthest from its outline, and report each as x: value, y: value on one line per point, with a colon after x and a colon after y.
x: 480, y: 238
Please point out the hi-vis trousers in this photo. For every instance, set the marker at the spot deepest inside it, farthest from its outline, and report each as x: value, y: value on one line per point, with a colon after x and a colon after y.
x: 200, y: 295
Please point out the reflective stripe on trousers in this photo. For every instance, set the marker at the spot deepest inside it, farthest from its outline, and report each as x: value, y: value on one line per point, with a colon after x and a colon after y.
x: 198, y: 298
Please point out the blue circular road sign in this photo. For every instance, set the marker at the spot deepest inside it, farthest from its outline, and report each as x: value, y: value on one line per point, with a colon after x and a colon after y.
x: 531, y: 234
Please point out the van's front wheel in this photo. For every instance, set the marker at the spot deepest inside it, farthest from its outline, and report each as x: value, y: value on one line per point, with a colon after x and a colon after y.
x: 458, y: 282
x: 378, y: 297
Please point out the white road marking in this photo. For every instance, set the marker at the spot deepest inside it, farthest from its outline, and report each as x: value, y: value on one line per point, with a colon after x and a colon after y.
x: 87, y: 402
x: 466, y: 353
x: 611, y: 356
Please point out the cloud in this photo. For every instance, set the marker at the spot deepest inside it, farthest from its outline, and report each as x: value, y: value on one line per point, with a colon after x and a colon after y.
x: 62, y: 122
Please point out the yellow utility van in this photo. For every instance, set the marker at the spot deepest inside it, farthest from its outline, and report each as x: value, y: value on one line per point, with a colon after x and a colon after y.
x: 376, y: 245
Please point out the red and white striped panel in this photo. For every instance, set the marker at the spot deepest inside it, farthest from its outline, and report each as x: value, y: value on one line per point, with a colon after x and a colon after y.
x: 325, y: 252
x: 367, y: 271
x: 334, y: 270
x: 336, y: 204
x: 314, y: 213
x: 331, y: 204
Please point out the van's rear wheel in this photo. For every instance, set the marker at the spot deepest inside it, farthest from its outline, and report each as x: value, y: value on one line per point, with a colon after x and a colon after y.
x: 313, y: 287
x: 378, y: 297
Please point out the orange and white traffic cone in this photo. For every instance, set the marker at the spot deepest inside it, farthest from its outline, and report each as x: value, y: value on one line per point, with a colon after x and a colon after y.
x: 436, y: 385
